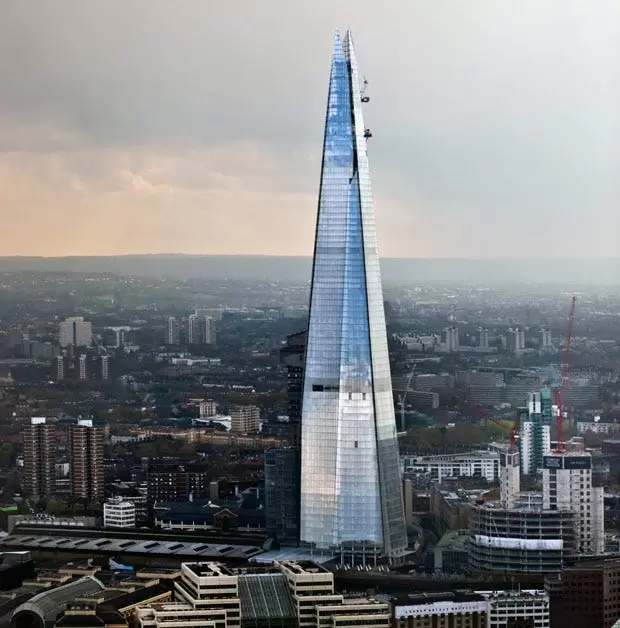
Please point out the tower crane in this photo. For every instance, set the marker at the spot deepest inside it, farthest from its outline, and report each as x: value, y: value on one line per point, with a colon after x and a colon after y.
x: 401, y: 400
x: 558, y: 391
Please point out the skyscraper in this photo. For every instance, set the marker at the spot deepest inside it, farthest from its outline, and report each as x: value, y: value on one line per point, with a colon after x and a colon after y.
x: 351, y: 497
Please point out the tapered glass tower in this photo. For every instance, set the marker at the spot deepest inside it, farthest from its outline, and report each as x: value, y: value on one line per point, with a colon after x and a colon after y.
x: 351, y: 498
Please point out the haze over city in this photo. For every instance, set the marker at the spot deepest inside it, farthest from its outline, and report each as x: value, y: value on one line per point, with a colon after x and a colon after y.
x: 240, y: 390
x: 195, y: 127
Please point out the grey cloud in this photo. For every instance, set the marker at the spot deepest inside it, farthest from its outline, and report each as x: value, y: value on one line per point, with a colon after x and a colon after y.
x: 487, y: 115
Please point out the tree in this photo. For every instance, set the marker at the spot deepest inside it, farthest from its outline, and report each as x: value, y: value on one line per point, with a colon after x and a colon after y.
x: 7, y: 455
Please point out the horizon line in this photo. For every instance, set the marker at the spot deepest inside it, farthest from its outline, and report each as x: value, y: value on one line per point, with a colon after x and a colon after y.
x: 308, y: 256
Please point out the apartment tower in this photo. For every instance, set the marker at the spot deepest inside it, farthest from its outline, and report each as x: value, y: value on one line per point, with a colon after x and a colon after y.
x: 86, y: 445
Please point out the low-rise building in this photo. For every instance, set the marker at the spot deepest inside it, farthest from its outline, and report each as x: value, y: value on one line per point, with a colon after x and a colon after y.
x: 517, y: 608
x: 451, y: 553
x: 440, y: 610
x: 590, y: 593
x: 289, y: 594
x: 481, y: 464
x: 119, y: 514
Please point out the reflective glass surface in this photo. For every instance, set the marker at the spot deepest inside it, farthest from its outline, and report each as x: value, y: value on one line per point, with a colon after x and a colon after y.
x: 350, y: 481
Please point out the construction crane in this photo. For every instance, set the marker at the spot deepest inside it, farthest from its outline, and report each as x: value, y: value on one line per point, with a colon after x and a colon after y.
x: 558, y: 392
x: 401, y: 400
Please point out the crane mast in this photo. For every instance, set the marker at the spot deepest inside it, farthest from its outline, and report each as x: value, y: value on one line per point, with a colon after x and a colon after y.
x: 558, y: 392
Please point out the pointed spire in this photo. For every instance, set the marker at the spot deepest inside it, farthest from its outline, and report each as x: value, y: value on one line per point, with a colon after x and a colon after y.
x: 349, y: 50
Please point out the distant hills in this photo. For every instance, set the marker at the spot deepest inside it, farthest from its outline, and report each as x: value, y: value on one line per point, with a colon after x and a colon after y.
x: 601, y: 271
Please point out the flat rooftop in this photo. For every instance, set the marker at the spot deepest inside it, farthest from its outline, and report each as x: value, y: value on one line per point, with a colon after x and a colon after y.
x: 455, y: 539
x: 304, y: 567
x: 206, y: 570
x: 415, y: 599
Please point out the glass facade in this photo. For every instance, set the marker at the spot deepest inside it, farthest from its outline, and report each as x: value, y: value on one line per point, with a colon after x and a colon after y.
x: 350, y: 481
x: 282, y: 494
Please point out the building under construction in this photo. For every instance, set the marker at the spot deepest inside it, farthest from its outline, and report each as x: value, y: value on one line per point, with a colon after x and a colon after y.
x: 526, y: 539
x: 536, y: 533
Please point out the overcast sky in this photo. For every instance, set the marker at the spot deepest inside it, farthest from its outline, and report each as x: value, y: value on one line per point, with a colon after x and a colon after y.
x: 195, y: 126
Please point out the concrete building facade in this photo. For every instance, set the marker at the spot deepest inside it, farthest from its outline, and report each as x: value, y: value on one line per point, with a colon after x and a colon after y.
x: 39, y: 437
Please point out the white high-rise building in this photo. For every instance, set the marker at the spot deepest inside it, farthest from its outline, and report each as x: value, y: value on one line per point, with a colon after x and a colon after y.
x: 568, y: 486
x: 82, y: 366
x: 546, y: 341
x: 105, y: 367
x: 172, y: 331
x: 193, y: 330
x: 515, y: 340
x: 60, y: 367
x: 120, y: 337
x: 209, y: 330
x: 75, y: 331
x: 451, y: 339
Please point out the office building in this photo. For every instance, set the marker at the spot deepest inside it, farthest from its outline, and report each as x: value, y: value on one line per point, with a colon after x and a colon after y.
x: 177, y: 483
x: 351, y: 496
x: 535, y: 431
x: 86, y: 448
x: 473, y: 609
x: 60, y: 368
x: 292, y: 356
x: 211, y: 586
x: 568, y: 486
x: 118, y: 513
x: 245, y: 420
x: 172, y: 331
x: 282, y: 494
x: 75, y: 331
x: 105, y: 367
x: 590, y: 594
x: 82, y: 366
x: 311, y: 587
x: 177, y: 614
x: 290, y: 594
x: 481, y: 464
x: 483, y: 337
x: 526, y: 607
x: 440, y: 610
x: 39, y: 457
x: 282, y: 464
x: 515, y: 341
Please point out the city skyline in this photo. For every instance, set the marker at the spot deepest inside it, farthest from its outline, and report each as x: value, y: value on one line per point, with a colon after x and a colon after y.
x: 351, y: 497
x: 493, y: 117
